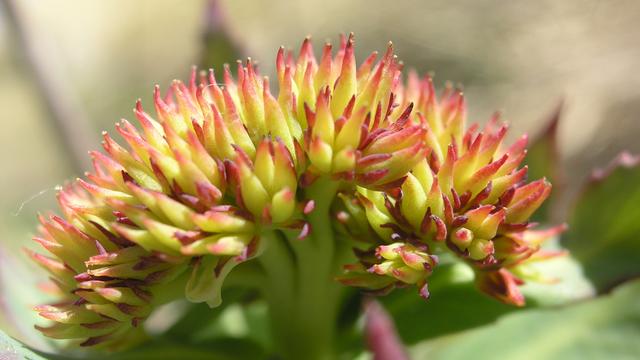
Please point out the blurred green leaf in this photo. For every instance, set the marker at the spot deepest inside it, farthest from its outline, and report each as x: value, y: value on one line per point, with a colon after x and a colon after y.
x: 603, y: 328
x: 11, y: 349
x: 350, y: 337
x: 604, y: 229
x: 218, y: 45
x: 19, y: 282
x: 456, y: 305
x: 218, y: 50
x: 199, y: 317
x: 567, y: 281
x: 238, y: 317
x: 543, y: 160
x: 259, y: 327
x: 219, y: 349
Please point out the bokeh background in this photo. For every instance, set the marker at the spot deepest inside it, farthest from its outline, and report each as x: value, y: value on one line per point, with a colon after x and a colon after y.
x: 71, y: 68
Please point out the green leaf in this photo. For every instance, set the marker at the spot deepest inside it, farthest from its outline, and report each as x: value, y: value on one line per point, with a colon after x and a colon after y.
x: 239, y: 316
x: 201, y: 316
x: 602, y: 328
x: 11, y: 349
x: 567, y: 282
x: 456, y: 305
x: 19, y: 295
x: 604, y: 229
x: 219, y: 349
x: 350, y: 337
x: 219, y: 45
x: 543, y: 160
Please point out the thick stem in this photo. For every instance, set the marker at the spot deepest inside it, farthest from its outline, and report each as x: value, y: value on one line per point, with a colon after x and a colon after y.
x: 279, y: 287
x: 316, y: 307
x: 304, y: 324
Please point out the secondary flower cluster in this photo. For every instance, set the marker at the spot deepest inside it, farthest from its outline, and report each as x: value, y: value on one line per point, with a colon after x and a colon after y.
x: 224, y: 162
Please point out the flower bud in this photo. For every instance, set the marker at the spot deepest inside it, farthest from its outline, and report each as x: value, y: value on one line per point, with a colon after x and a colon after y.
x: 402, y: 262
x: 502, y: 285
x: 462, y: 238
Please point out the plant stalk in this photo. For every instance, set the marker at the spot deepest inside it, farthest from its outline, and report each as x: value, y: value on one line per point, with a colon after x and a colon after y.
x: 304, y: 302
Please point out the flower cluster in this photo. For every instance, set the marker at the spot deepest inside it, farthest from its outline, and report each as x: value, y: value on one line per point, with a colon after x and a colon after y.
x: 466, y: 197
x: 195, y: 190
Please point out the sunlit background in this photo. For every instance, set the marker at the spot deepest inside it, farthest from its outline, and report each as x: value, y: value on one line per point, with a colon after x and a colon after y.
x: 82, y: 64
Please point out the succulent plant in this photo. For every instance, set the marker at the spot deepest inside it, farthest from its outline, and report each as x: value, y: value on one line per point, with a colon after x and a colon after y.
x: 341, y: 156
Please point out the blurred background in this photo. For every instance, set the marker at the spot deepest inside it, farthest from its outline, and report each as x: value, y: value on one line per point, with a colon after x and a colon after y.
x: 71, y: 68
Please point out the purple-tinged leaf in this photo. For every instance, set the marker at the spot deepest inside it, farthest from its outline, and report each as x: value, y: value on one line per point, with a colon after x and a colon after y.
x: 604, y: 224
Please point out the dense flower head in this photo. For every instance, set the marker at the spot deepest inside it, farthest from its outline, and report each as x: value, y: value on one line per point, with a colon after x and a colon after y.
x: 467, y: 197
x: 226, y: 161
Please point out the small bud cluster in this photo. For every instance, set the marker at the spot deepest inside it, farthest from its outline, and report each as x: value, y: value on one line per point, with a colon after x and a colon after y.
x: 466, y: 197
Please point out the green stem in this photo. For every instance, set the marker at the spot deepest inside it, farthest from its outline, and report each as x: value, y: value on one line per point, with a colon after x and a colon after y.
x: 279, y: 288
x: 303, y: 296
x: 312, y: 317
